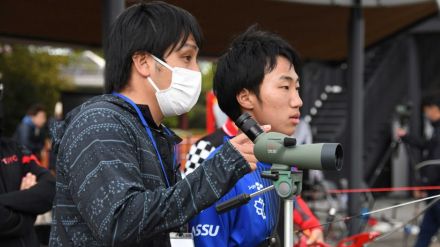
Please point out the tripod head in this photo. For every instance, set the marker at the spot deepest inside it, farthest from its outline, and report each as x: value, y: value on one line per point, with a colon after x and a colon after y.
x: 403, y: 113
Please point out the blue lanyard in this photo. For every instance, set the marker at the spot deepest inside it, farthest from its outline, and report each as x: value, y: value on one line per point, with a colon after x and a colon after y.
x: 147, y: 128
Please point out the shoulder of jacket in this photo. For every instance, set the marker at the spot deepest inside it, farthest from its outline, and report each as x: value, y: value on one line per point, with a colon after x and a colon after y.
x: 103, y: 111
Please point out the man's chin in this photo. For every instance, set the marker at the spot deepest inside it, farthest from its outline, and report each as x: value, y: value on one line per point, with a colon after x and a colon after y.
x: 290, y: 131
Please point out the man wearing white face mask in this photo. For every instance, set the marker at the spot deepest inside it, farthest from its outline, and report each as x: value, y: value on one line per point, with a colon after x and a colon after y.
x: 183, y: 92
x: 117, y: 179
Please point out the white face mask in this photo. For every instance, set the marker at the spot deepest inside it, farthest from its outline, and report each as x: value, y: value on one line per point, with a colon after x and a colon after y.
x: 183, y: 93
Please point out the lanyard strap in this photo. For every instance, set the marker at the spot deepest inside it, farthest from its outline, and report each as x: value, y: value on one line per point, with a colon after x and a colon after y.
x: 147, y: 128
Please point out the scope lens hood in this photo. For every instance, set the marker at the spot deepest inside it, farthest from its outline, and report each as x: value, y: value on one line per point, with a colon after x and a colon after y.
x: 331, y: 156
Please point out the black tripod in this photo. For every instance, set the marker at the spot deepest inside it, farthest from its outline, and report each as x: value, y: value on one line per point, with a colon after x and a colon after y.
x: 392, y: 148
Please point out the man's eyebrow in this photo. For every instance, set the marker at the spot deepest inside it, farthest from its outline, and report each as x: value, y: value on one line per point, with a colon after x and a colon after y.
x: 287, y: 78
x: 290, y: 79
x: 191, y: 46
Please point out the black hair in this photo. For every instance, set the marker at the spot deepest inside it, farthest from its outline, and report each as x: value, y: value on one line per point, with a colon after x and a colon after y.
x: 251, y: 55
x: 35, y: 109
x: 431, y: 99
x: 145, y: 27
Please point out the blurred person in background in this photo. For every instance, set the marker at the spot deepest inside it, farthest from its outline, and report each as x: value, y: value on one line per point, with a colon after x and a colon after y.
x: 26, y: 190
x: 429, y: 175
x: 30, y: 131
x: 257, y: 75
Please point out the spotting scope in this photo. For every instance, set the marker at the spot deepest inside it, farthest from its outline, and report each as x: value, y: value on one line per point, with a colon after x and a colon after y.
x: 277, y: 148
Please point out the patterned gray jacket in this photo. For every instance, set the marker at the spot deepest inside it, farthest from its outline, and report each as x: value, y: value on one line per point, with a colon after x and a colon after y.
x: 110, y: 188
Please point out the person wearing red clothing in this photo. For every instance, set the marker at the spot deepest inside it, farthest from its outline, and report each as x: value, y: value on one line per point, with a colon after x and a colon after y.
x: 26, y: 190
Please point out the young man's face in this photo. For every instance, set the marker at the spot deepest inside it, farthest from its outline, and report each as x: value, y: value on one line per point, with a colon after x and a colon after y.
x: 39, y: 119
x: 279, y: 101
x: 186, y: 57
x: 432, y: 112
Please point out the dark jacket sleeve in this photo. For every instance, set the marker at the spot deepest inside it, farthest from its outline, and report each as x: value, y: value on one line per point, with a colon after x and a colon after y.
x: 37, y: 199
x: 428, y: 175
x: 119, y: 206
x: 14, y: 224
x: 23, y: 135
x: 416, y: 142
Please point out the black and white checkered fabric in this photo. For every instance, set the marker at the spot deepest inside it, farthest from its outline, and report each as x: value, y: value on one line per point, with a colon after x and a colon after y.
x: 198, y: 153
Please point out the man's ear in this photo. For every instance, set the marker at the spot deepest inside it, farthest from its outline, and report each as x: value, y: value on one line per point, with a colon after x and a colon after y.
x: 246, y: 99
x: 142, y: 64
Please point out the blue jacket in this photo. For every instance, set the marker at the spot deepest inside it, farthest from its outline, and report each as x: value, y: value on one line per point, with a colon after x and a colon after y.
x: 247, y: 225
x: 28, y: 135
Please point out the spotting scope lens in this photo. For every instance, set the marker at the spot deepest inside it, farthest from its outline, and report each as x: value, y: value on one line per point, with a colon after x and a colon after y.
x: 249, y: 126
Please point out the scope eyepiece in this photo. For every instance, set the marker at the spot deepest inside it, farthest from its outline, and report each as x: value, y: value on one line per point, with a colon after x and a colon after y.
x: 249, y: 126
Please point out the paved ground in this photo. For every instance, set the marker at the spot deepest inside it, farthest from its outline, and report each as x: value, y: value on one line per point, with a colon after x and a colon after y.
x: 401, y: 215
x: 390, y: 219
